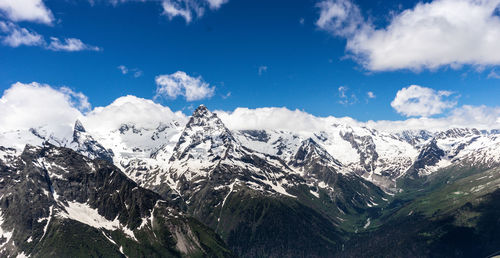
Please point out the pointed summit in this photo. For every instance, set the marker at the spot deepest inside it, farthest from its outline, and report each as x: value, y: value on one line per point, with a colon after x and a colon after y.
x: 79, y: 126
x: 203, y: 117
x: 204, y: 138
x: 200, y: 110
x: 311, y: 153
x: 86, y: 145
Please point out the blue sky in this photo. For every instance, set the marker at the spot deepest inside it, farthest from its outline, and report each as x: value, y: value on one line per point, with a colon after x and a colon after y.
x: 302, y: 64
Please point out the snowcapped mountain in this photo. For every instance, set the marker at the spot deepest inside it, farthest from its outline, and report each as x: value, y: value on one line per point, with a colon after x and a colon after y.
x: 237, y: 182
x: 205, y: 147
x: 169, y: 150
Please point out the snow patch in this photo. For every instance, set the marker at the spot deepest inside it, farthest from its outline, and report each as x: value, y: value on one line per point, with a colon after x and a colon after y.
x: 85, y: 214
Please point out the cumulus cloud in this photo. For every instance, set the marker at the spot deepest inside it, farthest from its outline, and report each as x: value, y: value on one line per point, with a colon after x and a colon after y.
x: 428, y: 36
x: 371, y: 95
x: 180, y: 84
x: 216, y: 4
x: 480, y: 117
x: 421, y: 101
x: 15, y: 36
x: 70, y: 45
x: 271, y: 118
x: 26, y: 10
x: 34, y: 105
x: 189, y: 9
x: 76, y: 99
x: 53, y: 112
x: 130, y: 110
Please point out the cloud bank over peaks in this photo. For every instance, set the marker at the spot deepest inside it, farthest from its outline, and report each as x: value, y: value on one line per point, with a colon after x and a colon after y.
x: 35, y: 105
x: 131, y: 110
x: 429, y: 36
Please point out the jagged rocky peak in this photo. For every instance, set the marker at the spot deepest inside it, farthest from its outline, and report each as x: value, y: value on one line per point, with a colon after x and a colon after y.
x: 85, y: 144
x: 79, y: 126
x: 458, y: 132
x: 431, y: 152
x: 413, y: 137
x: 311, y: 152
x: 203, y: 117
x: 430, y: 155
x: 204, y: 138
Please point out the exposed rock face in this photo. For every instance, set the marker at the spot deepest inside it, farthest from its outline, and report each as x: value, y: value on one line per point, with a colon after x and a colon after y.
x: 430, y: 155
x: 85, y: 144
x: 366, y: 149
x: 49, y: 192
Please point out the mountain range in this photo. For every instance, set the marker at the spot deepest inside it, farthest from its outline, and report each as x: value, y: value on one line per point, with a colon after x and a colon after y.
x: 196, y: 188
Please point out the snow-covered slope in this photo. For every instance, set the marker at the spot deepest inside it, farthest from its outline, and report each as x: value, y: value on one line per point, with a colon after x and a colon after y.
x: 205, y: 148
x: 166, y: 149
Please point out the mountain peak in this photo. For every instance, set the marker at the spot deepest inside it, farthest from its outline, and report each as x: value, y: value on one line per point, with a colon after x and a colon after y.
x: 204, y: 139
x: 79, y: 126
x: 86, y: 145
x: 203, y: 117
x: 311, y: 152
x: 201, y: 110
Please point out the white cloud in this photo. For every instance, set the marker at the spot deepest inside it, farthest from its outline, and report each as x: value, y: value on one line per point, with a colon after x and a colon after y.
x: 76, y: 99
x: 181, y: 84
x: 216, y: 4
x: 26, y: 10
x: 130, y: 110
x: 421, y: 101
x: 15, y: 36
x: 54, y: 112
x: 271, y: 118
x: 173, y: 8
x: 262, y: 69
x: 341, y: 17
x: 428, y: 36
x: 480, y: 117
x: 70, y: 45
x: 370, y: 95
x: 346, y: 98
x: 189, y: 9
x: 125, y: 70
x: 34, y: 105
